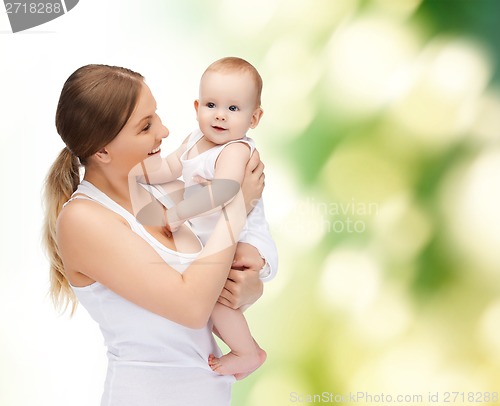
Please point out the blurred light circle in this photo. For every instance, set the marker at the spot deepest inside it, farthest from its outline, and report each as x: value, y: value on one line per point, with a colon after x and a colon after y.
x: 293, y: 217
x: 398, y: 8
x: 365, y: 57
x: 471, y: 203
x: 350, y: 280
x: 287, y: 99
x: 401, y: 228
x: 408, y: 367
x: 313, y: 16
x: 245, y: 18
x: 487, y: 120
x: 304, y: 226
x: 279, y: 387
x: 489, y: 330
x: 362, y: 172
x: 387, y: 318
x: 440, y: 101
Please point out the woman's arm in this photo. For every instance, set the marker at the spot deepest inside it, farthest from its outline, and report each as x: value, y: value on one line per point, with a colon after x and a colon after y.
x: 106, y: 250
x: 198, y: 200
x: 244, y: 285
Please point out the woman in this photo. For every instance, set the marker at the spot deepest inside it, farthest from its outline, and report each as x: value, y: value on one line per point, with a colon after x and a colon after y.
x: 151, y: 292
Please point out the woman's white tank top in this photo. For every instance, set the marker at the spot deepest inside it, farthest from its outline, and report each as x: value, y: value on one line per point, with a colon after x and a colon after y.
x: 151, y: 360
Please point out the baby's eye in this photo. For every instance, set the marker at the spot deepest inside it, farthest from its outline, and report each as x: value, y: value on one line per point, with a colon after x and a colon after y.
x: 233, y: 108
x: 210, y: 105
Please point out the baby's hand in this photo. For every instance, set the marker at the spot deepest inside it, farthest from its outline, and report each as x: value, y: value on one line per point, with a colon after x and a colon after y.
x: 172, y: 221
x: 201, y: 180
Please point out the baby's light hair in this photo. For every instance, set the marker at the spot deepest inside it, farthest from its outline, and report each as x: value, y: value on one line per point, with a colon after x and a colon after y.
x: 235, y: 64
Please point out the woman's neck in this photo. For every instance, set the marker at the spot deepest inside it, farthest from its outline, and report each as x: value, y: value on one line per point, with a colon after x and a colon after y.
x: 115, y: 187
x: 123, y: 189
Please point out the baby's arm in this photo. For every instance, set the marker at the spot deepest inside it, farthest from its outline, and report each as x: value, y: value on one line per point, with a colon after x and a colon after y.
x: 213, y: 195
x: 170, y: 169
x: 232, y: 161
x: 256, y: 231
x: 229, y: 172
x: 201, y: 201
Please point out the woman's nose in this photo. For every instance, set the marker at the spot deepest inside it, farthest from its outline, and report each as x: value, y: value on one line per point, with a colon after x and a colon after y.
x: 164, y: 131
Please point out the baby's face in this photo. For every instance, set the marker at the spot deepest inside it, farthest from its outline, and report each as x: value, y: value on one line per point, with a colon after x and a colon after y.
x: 227, y: 106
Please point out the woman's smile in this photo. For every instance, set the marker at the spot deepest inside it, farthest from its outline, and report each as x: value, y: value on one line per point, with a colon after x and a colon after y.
x: 155, y: 151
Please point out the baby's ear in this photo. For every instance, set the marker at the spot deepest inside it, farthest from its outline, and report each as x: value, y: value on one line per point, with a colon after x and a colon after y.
x: 196, y: 105
x: 256, y: 116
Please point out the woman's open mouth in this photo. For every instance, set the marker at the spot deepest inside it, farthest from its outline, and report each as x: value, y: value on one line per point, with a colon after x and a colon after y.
x: 155, y: 151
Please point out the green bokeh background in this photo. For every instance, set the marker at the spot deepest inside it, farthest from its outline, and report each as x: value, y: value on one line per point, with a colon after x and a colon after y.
x: 382, y: 123
x: 381, y: 143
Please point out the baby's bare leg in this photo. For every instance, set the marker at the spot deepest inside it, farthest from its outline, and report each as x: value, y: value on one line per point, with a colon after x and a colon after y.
x: 245, y: 356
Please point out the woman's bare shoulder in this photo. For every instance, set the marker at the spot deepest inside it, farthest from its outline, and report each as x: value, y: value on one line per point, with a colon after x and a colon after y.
x: 77, y: 208
x: 84, y: 215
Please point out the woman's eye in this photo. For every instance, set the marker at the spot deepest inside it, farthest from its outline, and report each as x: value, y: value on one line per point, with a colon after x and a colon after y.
x: 147, y: 127
x: 210, y: 105
x: 233, y: 108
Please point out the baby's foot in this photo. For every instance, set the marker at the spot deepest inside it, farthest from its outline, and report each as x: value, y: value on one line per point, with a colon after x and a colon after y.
x: 239, y: 365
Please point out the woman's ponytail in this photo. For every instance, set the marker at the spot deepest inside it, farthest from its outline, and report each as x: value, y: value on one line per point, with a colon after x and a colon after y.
x: 96, y: 102
x: 62, y: 180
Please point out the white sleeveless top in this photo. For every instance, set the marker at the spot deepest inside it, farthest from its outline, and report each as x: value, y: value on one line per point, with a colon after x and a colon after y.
x: 256, y: 230
x: 152, y: 361
x: 204, y: 165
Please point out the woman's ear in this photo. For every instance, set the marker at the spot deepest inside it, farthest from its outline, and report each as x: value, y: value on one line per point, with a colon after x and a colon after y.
x: 102, y: 156
x: 256, y: 116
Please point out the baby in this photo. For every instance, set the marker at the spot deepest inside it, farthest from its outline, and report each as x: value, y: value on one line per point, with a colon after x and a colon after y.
x: 228, y: 106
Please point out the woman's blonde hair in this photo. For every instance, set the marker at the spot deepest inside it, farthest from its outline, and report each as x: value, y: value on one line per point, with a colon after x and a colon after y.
x: 95, y: 103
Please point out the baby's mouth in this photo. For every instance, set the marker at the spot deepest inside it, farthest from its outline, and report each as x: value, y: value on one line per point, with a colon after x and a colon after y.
x: 217, y: 128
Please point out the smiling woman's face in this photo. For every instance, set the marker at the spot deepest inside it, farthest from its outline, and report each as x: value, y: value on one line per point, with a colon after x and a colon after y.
x: 140, y: 139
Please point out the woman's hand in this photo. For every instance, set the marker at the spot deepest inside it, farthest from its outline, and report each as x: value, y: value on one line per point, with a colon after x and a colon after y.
x: 253, y: 182
x: 243, y: 286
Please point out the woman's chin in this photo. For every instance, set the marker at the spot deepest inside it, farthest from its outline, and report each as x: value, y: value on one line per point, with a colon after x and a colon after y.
x: 153, y: 162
